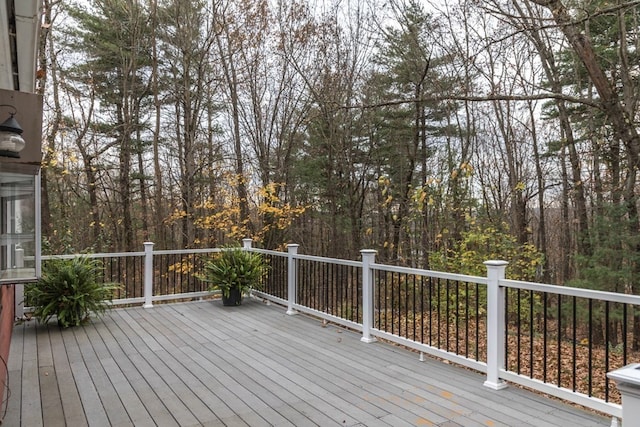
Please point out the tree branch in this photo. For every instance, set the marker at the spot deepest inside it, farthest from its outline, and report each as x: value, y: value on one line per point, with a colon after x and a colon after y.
x: 479, y: 98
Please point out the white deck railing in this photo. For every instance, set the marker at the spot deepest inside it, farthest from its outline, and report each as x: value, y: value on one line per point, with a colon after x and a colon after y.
x: 526, y: 333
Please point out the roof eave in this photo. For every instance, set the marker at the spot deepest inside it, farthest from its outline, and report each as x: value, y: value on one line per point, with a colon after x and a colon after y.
x: 27, y: 38
x: 6, y: 60
x: 24, y: 59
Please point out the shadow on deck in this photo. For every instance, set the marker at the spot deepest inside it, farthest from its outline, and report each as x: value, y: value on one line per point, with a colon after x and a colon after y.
x: 201, y: 364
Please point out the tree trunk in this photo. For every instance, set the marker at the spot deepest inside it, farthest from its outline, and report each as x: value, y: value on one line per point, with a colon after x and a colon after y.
x: 542, y: 226
x: 228, y: 65
x: 518, y: 206
x: 124, y: 183
x: 46, y: 46
x: 160, y: 232
x: 92, y: 188
x: 553, y: 76
x: 143, y: 189
x: 565, y: 228
x: 616, y: 114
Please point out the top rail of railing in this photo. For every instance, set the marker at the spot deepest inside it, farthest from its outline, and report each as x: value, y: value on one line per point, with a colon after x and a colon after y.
x: 94, y: 255
x: 572, y: 291
x: 335, y: 261
x: 430, y: 273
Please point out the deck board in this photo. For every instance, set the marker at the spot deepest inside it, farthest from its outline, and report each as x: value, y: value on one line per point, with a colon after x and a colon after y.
x: 30, y: 382
x: 201, y: 364
x: 14, y: 371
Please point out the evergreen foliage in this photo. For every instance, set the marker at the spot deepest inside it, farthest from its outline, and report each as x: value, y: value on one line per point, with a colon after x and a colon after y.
x: 614, y: 262
x: 70, y: 290
x: 488, y: 242
x: 235, y: 268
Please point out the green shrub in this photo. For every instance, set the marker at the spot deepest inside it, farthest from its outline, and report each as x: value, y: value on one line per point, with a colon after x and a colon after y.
x: 235, y: 268
x: 69, y: 289
x: 483, y: 242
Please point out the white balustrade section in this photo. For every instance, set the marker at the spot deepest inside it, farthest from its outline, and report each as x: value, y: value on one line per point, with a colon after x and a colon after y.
x: 495, y: 283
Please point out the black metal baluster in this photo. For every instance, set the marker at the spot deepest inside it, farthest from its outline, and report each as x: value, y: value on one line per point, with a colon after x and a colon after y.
x: 518, y: 329
x: 590, y: 343
x: 457, y: 317
x: 387, y: 299
x: 606, y: 349
x: 284, y: 267
x: 559, y: 355
x: 506, y: 328
x: 379, y: 286
x: 345, y: 282
x: 407, y: 305
x: 111, y: 276
x: 574, y: 338
x: 317, y: 280
x: 477, y: 320
x: 447, y: 314
x: 393, y: 303
x: 624, y: 334
x: 413, y: 306
x: 315, y: 285
x: 325, y: 286
x: 336, y: 309
x: 333, y: 288
x: 312, y: 290
x: 140, y: 272
x: 430, y: 311
x: 305, y: 276
x: 466, y: 319
x: 329, y: 286
x: 439, y: 309
x: 358, y: 286
x: 545, y: 316
x: 531, y: 333
x: 422, y: 309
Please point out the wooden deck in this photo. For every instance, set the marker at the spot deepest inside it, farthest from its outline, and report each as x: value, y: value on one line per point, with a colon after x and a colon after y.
x: 201, y: 364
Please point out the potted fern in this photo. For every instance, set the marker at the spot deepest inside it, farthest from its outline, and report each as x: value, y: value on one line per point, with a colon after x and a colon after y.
x: 234, y: 272
x: 70, y: 290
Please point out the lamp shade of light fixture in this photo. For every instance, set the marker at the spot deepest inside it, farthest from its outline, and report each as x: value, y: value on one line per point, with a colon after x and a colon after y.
x: 11, y: 142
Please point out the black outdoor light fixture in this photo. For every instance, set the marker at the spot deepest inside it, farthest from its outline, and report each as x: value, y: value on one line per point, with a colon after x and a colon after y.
x: 11, y: 142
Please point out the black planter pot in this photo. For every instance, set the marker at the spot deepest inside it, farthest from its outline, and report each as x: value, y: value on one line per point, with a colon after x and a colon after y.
x: 234, y: 298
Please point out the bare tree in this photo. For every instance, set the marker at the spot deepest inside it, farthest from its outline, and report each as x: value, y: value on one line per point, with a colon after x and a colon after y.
x: 229, y: 39
x: 187, y: 47
x: 47, y: 74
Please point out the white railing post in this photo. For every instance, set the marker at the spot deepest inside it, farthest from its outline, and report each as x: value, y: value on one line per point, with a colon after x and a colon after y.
x: 246, y: 243
x: 628, y: 382
x: 148, y: 274
x: 368, y: 258
x: 495, y: 324
x: 292, y: 278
